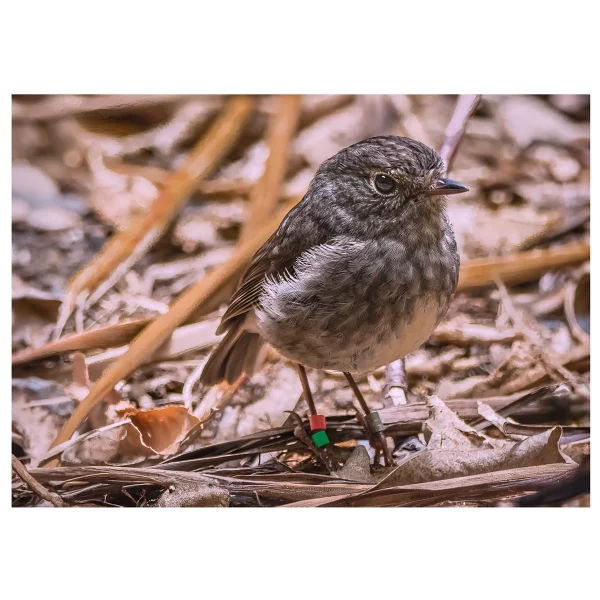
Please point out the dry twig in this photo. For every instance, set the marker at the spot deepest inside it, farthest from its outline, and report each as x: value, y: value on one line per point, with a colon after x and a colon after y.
x: 520, y: 267
x: 465, y: 107
x: 36, y: 487
x: 265, y: 194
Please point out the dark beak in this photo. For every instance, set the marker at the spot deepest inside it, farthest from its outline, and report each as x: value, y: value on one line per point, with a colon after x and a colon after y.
x: 446, y: 187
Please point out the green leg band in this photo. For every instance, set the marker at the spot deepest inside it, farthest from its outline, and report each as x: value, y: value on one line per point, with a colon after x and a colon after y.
x: 320, y: 439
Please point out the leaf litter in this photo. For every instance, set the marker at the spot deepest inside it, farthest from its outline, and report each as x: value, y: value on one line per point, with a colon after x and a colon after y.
x: 497, y: 409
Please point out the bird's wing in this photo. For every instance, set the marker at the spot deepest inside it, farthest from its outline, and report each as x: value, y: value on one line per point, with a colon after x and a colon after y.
x: 295, y: 235
x: 247, y: 294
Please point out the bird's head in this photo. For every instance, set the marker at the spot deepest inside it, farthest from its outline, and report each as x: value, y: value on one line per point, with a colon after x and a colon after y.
x: 386, y: 177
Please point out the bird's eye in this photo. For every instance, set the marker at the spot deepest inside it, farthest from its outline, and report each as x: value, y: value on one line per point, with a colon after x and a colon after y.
x: 385, y: 184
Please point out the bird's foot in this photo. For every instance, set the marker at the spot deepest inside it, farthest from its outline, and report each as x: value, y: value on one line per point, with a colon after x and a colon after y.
x: 318, y: 441
x: 374, y: 429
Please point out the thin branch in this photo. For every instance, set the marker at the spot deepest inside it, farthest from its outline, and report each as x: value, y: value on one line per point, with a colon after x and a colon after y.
x: 265, y: 194
x: 465, y: 107
x: 520, y: 267
x: 36, y: 488
x: 105, y: 336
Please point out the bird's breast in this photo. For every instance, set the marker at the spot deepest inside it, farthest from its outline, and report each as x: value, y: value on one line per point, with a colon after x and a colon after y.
x: 396, y: 339
x: 355, y: 307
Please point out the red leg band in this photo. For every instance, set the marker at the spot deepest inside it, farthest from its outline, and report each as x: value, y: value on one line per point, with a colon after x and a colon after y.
x: 317, y: 422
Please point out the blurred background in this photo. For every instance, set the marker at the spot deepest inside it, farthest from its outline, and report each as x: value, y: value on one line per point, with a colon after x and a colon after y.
x: 88, y: 167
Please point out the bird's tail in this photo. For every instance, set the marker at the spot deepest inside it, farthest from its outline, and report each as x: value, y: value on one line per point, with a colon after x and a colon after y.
x: 238, y: 352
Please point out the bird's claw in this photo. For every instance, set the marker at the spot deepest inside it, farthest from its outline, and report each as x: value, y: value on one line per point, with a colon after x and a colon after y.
x: 379, y: 442
x: 374, y: 429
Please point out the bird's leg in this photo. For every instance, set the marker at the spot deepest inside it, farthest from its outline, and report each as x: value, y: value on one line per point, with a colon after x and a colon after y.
x: 373, y: 424
x: 374, y: 443
x: 306, y: 389
x: 317, y: 425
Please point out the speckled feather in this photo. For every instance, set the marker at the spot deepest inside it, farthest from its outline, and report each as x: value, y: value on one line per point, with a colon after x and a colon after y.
x: 350, y: 278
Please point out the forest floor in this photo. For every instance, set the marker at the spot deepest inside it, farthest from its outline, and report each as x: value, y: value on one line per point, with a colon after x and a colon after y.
x: 129, y: 223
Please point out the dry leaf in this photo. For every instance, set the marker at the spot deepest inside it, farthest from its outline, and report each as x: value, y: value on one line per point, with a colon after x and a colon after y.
x: 578, y: 451
x: 125, y: 444
x: 455, y: 449
x: 433, y: 465
x: 192, y: 495
x: 444, y: 429
x: 358, y: 467
x: 161, y: 429
x: 144, y: 435
x: 487, y: 486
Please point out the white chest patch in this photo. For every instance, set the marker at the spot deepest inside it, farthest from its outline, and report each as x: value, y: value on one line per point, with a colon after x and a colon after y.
x: 367, y: 350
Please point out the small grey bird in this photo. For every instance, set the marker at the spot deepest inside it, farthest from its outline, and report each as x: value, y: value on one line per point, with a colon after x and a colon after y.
x: 358, y: 274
